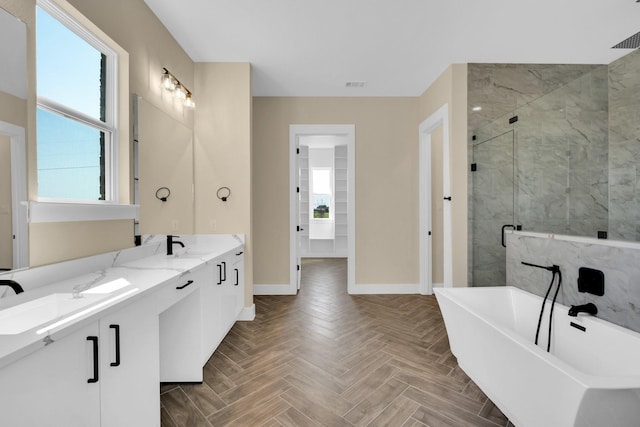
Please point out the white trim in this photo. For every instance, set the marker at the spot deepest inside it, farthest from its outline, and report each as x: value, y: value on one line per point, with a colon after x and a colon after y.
x: 439, y: 119
x: 385, y: 289
x: 18, y: 193
x: 275, y: 289
x: 67, y: 212
x: 247, y: 314
x: 377, y: 289
x: 295, y: 131
x: 75, y: 22
x: 325, y: 255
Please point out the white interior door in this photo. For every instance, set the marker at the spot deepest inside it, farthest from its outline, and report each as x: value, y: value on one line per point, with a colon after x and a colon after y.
x: 439, y: 120
x: 299, y: 226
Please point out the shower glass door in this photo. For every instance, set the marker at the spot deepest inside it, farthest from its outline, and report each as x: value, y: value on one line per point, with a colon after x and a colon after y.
x: 492, y: 204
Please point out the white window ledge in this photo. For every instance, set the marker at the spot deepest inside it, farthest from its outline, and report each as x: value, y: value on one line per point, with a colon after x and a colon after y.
x: 68, y: 212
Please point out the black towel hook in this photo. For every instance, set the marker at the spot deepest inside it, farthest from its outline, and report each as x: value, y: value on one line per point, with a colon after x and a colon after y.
x: 223, y: 193
x: 160, y: 194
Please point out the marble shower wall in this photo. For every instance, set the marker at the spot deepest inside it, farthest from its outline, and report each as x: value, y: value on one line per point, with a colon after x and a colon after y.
x: 624, y: 147
x: 620, y: 303
x: 561, y: 148
x: 558, y: 151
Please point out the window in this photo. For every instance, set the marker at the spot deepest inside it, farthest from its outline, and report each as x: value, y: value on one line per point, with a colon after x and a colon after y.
x: 321, y: 194
x: 76, y: 130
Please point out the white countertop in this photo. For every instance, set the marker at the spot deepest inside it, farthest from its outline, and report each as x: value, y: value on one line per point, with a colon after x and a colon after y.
x: 146, y: 268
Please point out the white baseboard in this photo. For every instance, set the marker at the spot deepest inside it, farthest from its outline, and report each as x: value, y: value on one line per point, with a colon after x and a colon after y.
x: 324, y: 255
x: 273, y: 290
x: 404, y: 288
x: 247, y: 314
x: 382, y: 289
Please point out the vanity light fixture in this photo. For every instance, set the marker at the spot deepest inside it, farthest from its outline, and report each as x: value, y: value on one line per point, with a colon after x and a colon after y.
x: 170, y: 83
x: 477, y: 108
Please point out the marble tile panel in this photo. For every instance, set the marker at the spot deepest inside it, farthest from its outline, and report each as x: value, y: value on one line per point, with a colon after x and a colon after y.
x: 621, y: 302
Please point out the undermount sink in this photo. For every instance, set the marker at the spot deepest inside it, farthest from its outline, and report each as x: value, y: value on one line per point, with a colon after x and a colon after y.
x: 20, y: 318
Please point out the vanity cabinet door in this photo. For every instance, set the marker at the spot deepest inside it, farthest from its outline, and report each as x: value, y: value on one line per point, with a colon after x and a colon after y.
x: 238, y: 283
x: 222, y: 299
x: 210, y: 307
x: 51, y: 387
x: 226, y: 298
x: 129, y: 359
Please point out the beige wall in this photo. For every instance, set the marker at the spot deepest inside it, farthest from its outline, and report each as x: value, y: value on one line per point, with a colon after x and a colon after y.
x: 451, y: 88
x: 165, y: 149
x: 76, y: 239
x: 13, y: 109
x: 386, y: 183
x: 222, y: 154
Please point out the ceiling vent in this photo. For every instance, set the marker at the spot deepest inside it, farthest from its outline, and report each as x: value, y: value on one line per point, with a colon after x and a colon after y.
x: 632, y: 42
x: 355, y: 84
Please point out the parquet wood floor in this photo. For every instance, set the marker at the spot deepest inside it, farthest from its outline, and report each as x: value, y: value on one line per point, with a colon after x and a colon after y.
x: 325, y: 358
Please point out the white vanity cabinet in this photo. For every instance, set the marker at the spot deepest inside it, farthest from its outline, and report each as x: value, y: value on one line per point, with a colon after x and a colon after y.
x: 105, y: 374
x: 106, y: 371
x: 222, y: 299
x: 129, y: 366
x: 50, y: 386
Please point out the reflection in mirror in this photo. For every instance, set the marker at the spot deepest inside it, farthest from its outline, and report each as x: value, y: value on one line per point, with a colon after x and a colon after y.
x: 13, y: 93
x: 13, y: 55
x: 6, y: 224
x: 13, y: 198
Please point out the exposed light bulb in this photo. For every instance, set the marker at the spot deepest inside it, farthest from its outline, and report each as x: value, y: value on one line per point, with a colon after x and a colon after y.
x: 188, y: 102
x: 180, y: 92
x: 167, y: 82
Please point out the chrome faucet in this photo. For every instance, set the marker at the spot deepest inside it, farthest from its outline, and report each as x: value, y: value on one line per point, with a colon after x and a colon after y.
x: 13, y: 285
x: 171, y: 242
x: 589, y: 308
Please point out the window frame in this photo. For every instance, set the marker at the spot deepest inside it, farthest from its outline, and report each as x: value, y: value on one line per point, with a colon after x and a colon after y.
x: 110, y: 125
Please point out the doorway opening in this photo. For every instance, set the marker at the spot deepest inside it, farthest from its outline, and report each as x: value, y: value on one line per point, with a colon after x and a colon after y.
x: 322, y: 197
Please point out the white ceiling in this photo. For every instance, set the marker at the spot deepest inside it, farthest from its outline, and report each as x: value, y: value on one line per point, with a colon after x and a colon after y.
x: 398, y: 47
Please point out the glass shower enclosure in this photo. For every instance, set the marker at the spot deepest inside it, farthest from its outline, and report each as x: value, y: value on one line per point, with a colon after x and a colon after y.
x: 542, y: 166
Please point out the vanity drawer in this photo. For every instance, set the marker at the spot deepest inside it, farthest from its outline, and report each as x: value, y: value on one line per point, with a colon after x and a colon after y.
x: 176, y: 290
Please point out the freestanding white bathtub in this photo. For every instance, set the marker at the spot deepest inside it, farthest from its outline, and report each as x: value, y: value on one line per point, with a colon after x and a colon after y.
x: 591, y: 377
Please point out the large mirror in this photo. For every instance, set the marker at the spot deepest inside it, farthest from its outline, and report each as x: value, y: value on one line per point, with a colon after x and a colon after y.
x: 13, y: 112
x: 553, y: 149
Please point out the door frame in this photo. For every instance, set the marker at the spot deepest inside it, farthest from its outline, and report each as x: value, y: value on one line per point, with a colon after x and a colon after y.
x: 439, y: 119
x: 19, y: 201
x: 295, y: 132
